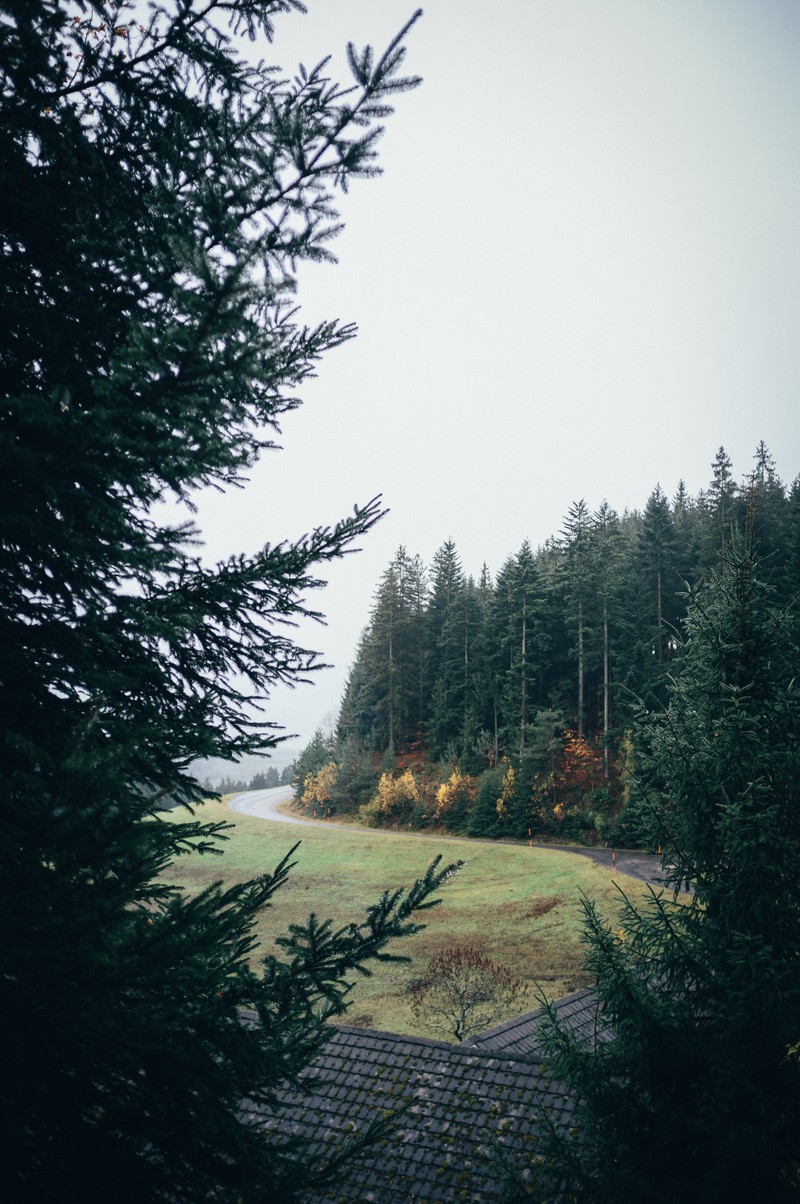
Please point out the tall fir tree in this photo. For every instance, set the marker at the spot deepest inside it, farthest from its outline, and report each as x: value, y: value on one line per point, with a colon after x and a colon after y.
x: 518, y: 631
x: 791, y: 586
x: 157, y: 192
x: 687, y: 531
x: 474, y: 741
x: 483, y: 698
x: 577, y: 565
x: 692, y: 1092
x: 385, y: 699
x: 720, y: 512
x: 606, y: 552
x: 656, y: 594
x: 447, y: 648
x: 770, y: 517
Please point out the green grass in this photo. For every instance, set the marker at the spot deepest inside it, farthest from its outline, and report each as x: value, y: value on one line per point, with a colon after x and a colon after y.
x: 519, y: 905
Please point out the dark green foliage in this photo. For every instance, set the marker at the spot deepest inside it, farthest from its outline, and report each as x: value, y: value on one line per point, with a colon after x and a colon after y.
x: 385, y: 693
x: 791, y: 576
x: 484, y: 820
x: 156, y: 195
x: 587, y: 626
x: 448, y: 637
x: 356, y: 777
x: 657, y: 605
x: 521, y: 641
x: 267, y: 780
x: 693, y: 1096
x: 577, y: 564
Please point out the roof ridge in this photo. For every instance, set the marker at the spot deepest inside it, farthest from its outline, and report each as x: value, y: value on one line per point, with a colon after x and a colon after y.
x: 457, y: 1049
x: 524, y: 1019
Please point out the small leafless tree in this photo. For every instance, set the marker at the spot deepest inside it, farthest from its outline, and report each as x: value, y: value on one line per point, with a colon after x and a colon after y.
x: 464, y: 992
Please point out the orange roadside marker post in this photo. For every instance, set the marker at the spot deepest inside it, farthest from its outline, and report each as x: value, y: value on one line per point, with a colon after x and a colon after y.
x: 614, y: 861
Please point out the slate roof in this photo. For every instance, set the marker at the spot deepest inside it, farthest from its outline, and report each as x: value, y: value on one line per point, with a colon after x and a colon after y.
x: 458, y: 1106
x: 522, y: 1035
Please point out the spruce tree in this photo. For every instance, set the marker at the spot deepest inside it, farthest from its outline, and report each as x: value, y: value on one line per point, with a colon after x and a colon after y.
x: 157, y: 191
x: 770, y: 518
x: 517, y: 622
x: 606, y: 554
x: 385, y: 691
x: 447, y: 649
x: 579, y: 589
x: 690, y: 1094
x: 656, y: 588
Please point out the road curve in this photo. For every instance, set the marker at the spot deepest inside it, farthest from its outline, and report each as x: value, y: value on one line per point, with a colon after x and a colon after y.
x: 264, y: 804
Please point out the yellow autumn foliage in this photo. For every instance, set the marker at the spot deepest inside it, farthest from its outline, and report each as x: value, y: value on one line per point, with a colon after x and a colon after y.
x: 457, y: 789
x: 508, y: 789
x: 394, y: 798
x: 318, y: 787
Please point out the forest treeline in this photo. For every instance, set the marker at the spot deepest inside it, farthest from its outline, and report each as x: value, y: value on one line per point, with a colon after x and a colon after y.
x: 502, y: 706
x: 266, y: 779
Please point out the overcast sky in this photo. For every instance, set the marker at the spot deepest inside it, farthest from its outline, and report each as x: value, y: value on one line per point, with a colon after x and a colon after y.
x: 578, y: 276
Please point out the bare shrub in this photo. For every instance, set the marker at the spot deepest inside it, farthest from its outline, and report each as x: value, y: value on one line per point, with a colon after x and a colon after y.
x: 464, y: 992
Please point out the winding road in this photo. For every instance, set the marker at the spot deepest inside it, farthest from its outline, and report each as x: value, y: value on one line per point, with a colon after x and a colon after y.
x: 265, y: 804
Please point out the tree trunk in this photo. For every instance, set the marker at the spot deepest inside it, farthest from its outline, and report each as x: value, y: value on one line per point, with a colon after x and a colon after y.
x: 606, y: 689
x: 581, y: 668
x: 523, y: 710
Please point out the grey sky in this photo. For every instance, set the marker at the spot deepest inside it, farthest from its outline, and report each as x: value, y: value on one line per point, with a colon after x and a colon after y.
x: 577, y: 277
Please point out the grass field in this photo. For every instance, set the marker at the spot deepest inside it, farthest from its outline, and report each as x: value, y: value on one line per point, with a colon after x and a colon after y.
x: 519, y: 905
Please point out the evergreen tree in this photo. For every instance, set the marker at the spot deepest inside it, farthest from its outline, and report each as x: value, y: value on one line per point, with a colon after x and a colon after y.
x: 720, y: 512
x: 475, y: 735
x: 606, y: 550
x: 578, y: 588
x: 483, y: 678
x: 532, y: 806
x: 769, y: 515
x: 385, y: 692
x: 685, y: 526
x: 447, y: 648
x: 656, y: 595
x: 792, y: 570
x: 520, y: 638
x: 691, y: 1095
x: 722, y: 493
x: 356, y: 776
x: 356, y: 719
x: 267, y: 780
x: 484, y: 820
x: 157, y: 192
x: 557, y: 666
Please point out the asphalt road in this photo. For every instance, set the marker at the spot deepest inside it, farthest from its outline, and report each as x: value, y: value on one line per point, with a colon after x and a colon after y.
x: 633, y: 862
x: 265, y: 804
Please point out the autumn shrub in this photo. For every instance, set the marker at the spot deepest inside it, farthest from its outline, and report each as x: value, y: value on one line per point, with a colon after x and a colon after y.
x: 454, y: 801
x: 463, y: 992
x: 394, y: 801
x: 318, y: 788
x: 507, y: 796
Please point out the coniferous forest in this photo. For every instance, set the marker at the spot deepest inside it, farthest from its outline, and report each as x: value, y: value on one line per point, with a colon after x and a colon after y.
x: 504, y: 706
